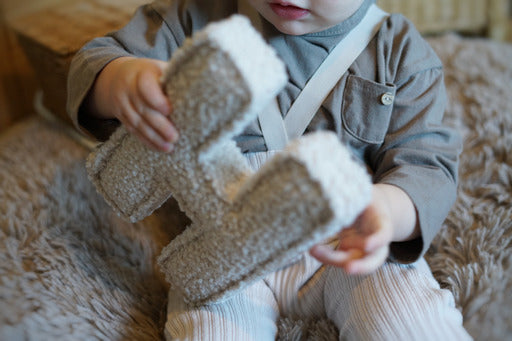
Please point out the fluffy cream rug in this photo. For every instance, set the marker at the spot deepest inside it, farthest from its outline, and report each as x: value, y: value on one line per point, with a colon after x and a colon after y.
x: 71, y: 269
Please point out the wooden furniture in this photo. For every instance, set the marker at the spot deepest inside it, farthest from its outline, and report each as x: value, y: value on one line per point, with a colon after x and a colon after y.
x: 17, y: 85
x: 52, y: 35
x: 490, y: 17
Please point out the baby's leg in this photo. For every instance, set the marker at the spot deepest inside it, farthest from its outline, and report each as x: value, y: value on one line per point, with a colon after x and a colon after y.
x: 298, y: 288
x: 397, y: 302
x: 249, y: 315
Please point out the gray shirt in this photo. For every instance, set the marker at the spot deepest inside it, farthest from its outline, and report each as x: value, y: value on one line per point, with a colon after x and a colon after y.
x: 403, y: 143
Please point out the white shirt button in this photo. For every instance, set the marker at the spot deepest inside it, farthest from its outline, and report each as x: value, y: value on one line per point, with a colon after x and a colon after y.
x: 387, y: 98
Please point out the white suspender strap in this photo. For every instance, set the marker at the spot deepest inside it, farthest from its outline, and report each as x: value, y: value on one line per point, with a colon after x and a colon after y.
x: 330, y: 72
x: 272, y: 126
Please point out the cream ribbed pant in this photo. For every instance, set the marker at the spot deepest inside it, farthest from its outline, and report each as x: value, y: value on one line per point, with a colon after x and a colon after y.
x: 398, y: 302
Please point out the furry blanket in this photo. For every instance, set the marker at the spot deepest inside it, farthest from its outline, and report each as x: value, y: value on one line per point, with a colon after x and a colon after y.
x: 71, y: 269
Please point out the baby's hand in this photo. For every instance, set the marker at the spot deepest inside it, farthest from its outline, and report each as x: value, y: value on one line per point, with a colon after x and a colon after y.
x: 129, y: 89
x: 364, y: 246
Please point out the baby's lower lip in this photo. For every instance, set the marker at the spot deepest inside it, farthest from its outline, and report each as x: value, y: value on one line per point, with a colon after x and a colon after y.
x: 288, y: 12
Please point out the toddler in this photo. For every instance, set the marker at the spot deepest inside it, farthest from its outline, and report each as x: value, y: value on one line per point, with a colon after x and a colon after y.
x: 387, y: 106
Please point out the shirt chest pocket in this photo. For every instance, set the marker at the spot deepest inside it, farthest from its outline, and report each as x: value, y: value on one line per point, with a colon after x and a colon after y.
x: 367, y: 108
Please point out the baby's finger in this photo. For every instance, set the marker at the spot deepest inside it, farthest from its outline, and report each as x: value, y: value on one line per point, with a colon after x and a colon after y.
x: 144, y: 120
x: 382, y: 236
x: 148, y: 135
x: 327, y: 255
x: 128, y: 114
x: 142, y: 138
x: 368, y: 263
x: 351, y: 241
x: 154, y: 138
x: 151, y: 91
x: 161, y: 124
x: 367, y: 242
x: 137, y: 125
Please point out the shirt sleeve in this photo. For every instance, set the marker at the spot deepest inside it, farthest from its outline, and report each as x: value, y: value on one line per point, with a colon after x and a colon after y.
x: 419, y: 153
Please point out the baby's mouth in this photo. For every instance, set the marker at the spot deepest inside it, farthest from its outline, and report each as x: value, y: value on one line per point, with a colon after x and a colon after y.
x: 288, y: 11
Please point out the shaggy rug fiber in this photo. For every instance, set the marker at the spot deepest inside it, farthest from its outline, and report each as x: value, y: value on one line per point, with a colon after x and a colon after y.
x: 70, y: 269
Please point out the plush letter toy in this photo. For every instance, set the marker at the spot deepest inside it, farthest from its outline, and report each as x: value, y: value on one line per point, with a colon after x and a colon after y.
x: 245, y: 224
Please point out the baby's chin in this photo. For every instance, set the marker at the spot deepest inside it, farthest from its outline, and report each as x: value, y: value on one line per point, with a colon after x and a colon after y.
x: 298, y: 28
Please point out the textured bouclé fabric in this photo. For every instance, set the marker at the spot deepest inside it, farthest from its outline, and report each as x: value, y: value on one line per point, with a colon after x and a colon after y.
x: 245, y: 224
